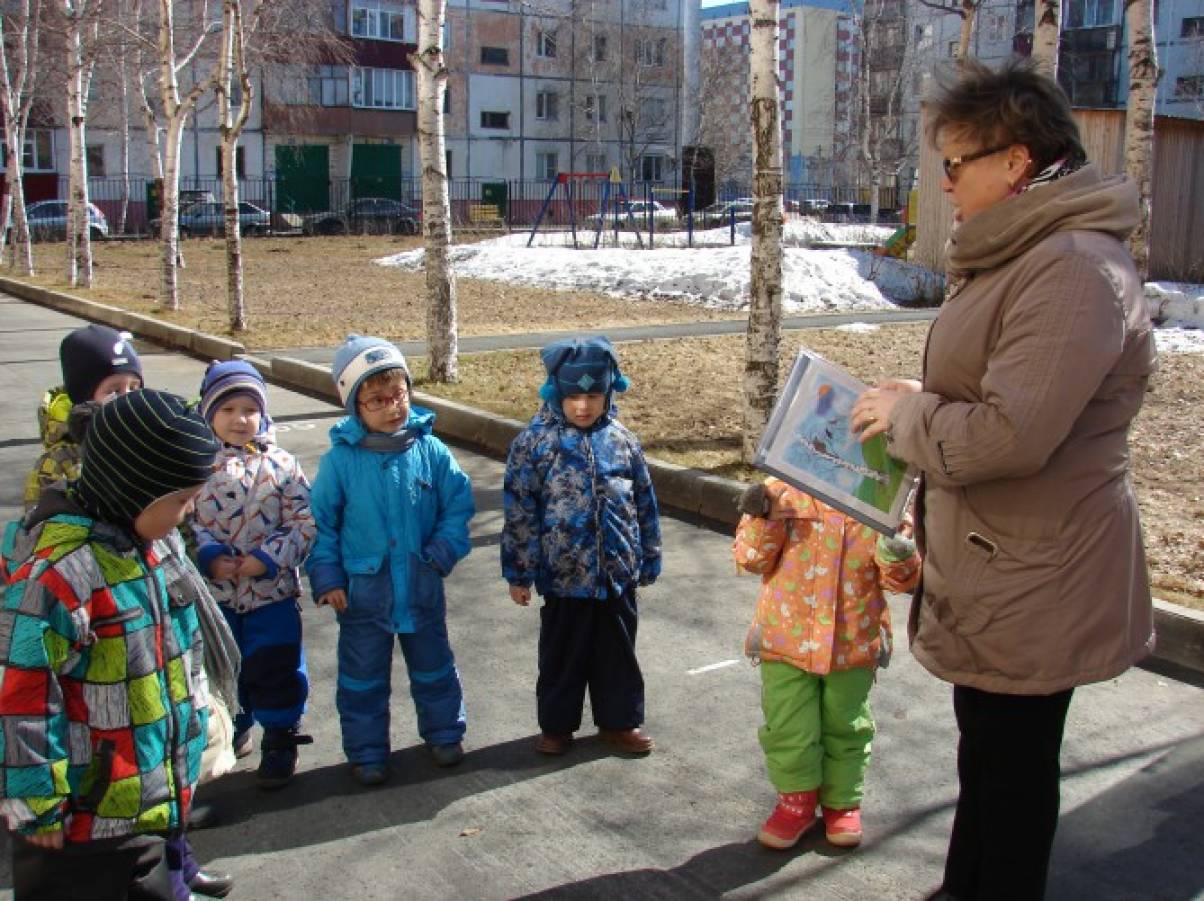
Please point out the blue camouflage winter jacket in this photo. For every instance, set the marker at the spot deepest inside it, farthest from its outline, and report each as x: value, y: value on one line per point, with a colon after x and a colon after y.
x: 581, y: 517
x: 390, y: 525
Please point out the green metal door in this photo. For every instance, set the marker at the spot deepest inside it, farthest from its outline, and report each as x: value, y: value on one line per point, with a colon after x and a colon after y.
x: 302, y: 178
x: 376, y: 171
x: 496, y: 193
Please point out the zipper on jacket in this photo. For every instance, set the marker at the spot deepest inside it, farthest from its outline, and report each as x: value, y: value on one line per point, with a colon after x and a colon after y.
x: 593, y: 482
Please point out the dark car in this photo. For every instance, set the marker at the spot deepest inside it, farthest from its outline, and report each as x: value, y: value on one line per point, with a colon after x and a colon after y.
x: 367, y: 215
x: 48, y: 221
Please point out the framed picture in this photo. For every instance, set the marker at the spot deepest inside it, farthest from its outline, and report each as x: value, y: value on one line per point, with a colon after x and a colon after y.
x: 809, y: 444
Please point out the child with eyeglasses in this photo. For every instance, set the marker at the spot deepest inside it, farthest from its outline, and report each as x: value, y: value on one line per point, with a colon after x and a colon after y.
x: 392, y: 508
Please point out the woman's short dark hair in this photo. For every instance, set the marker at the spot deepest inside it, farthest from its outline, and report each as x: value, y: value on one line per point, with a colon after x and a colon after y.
x: 1014, y: 104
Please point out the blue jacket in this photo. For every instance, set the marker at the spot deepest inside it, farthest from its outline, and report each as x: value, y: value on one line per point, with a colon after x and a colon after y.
x: 581, y: 517
x: 390, y: 525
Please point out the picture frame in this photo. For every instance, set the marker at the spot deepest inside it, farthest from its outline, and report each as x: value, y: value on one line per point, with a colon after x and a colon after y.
x: 809, y: 444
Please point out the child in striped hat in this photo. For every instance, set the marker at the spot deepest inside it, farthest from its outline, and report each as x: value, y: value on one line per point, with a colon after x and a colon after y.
x: 253, y: 527
x: 101, y: 685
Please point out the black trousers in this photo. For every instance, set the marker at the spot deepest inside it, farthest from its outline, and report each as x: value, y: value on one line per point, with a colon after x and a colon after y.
x: 132, y: 868
x: 1007, y: 810
x: 584, y: 642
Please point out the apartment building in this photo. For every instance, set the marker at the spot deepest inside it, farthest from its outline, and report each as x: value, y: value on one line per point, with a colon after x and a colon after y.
x: 815, y: 59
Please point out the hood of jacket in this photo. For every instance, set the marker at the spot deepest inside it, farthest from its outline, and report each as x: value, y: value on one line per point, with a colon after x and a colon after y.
x: 350, y: 429
x: 1084, y: 200
x: 53, y: 413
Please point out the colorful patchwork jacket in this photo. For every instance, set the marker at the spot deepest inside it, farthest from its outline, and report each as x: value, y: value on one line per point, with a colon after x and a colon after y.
x: 60, y: 457
x: 821, y: 606
x: 102, y: 695
x: 257, y: 503
x: 581, y: 517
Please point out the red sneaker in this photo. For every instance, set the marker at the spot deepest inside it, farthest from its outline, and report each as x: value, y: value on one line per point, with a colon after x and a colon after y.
x: 793, y: 816
x: 843, y: 827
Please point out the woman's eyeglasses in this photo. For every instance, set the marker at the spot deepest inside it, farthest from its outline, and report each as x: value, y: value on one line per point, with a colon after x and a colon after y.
x: 953, y: 165
x: 378, y: 402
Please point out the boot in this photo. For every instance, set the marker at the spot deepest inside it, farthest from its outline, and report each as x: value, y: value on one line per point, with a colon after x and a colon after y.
x: 793, y: 816
x: 843, y: 827
x: 279, y: 760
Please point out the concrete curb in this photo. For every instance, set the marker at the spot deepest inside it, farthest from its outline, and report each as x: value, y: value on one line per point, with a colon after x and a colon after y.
x: 200, y: 344
x: 1180, y: 630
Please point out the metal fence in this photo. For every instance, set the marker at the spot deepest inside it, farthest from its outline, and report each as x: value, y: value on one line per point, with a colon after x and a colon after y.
x: 482, y: 204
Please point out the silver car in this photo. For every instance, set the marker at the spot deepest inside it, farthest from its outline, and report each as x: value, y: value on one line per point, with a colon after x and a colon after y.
x: 48, y: 221
x: 210, y: 219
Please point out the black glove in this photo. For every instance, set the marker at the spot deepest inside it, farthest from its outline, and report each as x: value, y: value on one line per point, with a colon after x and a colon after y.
x: 754, y: 501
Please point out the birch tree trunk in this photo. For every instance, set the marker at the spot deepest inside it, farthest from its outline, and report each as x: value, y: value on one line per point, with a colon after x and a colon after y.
x: 1139, y: 120
x: 1047, y: 36
x: 123, y: 76
x: 76, y: 162
x: 969, y: 11
x: 18, y: 79
x: 441, y: 326
x: 765, y: 276
x: 232, y: 63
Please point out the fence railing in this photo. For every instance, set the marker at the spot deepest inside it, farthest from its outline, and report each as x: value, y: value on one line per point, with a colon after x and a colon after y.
x: 477, y: 204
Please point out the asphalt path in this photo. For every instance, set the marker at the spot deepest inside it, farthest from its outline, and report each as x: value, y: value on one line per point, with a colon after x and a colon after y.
x: 678, y: 824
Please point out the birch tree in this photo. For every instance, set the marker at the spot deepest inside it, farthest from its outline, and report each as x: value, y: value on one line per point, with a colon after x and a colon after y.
x: 232, y: 64
x: 1047, y: 36
x: 81, y: 25
x: 177, y: 105
x: 765, y: 276
x: 431, y: 69
x: 19, y: 42
x: 1139, y: 120
x: 967, y: 11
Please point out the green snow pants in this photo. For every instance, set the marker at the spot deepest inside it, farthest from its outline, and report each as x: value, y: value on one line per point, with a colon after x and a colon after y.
x: 817, y: 731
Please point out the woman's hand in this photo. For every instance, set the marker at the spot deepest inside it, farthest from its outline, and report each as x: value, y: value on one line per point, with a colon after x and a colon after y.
x: 871, y: 413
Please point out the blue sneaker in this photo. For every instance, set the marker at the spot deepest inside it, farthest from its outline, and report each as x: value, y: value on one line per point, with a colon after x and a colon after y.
x: 370, y: 774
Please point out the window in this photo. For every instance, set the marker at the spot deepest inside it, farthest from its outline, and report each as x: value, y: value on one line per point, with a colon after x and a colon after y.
x: 495, y: 56
x: 382, y: 88
x: 652, y: 166
x: 328, y: 86
x: 545, y: 44
x: 547, y: 165
x: 447, y: 158
x: 1192, y: 27
x: 1189, y: 86
x: 447, y: 108
x: 547, y: 106
x: 596, y: 162
x: 954, y: 49
x: 652, y: 110
x: 494, y: 119
x: 996, y: 27
x: 38, y: 153
x: 235, y: 91
x: 650, y: 52
x: 382, y: 20
x: 1089, y: 13
x: 447, y: 34
x: 595, y: 107
x: 96, y: 160
x: 599, y: 49
x: 240, y: 168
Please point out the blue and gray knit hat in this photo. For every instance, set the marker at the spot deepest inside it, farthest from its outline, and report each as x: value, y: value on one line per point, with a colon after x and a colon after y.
x: 232, y: 377
x: 581, y: 366
x: 359, y: 358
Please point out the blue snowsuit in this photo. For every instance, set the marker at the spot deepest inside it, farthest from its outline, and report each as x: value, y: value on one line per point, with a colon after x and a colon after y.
x: 391, y: 526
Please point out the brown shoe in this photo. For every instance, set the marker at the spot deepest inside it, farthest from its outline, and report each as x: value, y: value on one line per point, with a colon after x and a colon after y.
x: 554, y: 743
x: 629, y: 741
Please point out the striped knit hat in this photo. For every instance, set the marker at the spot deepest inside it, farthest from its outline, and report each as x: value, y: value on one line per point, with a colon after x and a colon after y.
x: 140, y: 447
x: 232, y: 377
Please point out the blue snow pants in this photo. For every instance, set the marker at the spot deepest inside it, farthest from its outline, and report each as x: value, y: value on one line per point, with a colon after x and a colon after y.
x: 273, y: 683
x: 365, y: 667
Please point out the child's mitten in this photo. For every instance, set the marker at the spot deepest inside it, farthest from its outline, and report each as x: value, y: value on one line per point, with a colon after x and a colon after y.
x: 754, y: 501
x: 893, y: 548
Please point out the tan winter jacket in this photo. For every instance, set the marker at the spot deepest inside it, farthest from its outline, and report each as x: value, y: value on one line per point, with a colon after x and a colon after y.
x: 1034, y: 575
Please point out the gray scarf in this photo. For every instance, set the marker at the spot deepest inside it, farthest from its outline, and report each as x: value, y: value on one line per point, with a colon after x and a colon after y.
x: 397, y: 443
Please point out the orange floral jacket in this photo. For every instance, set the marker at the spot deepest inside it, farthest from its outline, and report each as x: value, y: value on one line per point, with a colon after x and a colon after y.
x: 821, y: 606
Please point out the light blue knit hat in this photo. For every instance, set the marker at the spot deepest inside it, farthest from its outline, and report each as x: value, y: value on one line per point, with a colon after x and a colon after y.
x: 359, y: 357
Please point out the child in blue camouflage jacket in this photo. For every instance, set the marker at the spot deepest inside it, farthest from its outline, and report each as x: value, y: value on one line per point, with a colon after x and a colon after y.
x: 582, y: 527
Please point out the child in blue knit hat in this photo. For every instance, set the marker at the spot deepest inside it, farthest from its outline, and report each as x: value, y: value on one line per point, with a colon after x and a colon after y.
x: 392, y: 508
x: 253, y: 527
x: 582, y: 527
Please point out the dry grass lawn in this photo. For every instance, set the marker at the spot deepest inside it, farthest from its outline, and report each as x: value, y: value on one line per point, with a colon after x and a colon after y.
x: 684, y: 404
x: 305, y: 292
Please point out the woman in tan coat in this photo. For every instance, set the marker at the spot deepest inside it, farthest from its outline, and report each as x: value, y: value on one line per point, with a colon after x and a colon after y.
x: 1034, y: 576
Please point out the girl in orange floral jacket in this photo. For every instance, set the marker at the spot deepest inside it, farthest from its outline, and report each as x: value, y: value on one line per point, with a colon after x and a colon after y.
x: 820, y: 630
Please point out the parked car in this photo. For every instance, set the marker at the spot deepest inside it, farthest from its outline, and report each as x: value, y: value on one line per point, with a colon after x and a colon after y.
x: 48, y: 221
x: 209, y: 218
x: 640, y: 210
x: 721, y: 212
x: 365, y: 215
